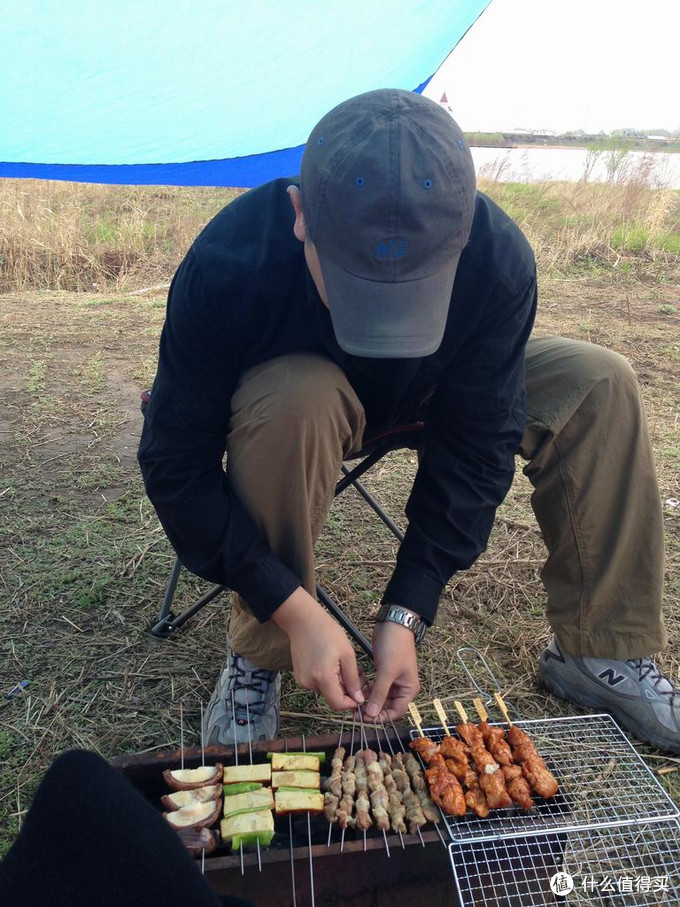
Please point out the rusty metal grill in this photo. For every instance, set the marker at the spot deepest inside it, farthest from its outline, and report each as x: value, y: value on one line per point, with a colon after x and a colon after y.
x: 618, y: 867
x: 602, y: 782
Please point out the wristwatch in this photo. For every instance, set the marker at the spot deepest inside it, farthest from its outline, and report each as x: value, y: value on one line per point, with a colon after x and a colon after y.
x: 398, y: 615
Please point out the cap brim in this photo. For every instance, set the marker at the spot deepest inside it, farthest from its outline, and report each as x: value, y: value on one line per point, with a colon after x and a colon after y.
x: 381, y: 320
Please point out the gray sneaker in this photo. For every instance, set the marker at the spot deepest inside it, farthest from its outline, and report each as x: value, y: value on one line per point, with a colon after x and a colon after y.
x: 634, y: 692
x: 228, y: 722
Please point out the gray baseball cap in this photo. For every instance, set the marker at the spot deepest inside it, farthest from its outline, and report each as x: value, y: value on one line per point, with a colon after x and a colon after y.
x: 388, y: 193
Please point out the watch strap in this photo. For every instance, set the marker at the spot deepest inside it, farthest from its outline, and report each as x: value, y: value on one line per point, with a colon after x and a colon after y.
x: 388, y: 613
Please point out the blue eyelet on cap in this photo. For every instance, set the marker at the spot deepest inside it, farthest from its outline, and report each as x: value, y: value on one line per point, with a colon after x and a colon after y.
x: 320, y: 140
x: 360, y: 181
x: 427, y: 184
x: 460, y: 143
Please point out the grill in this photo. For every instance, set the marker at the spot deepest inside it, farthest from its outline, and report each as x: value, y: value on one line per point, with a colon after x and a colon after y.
x: 617, y: 867
x: 602, y: 782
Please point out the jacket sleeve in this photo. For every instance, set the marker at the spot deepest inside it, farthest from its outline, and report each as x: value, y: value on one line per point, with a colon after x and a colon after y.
x: 473, y: 428
x: 182, y: 449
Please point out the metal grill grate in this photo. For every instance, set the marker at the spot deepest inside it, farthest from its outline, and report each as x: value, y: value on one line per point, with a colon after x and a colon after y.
x: 618, y: 867
x: 602, y: 781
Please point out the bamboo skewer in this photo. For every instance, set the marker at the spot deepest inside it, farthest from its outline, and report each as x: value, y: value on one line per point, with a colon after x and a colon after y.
x: 501, y: 705
x: 481, y: 710
x: 461, y: 711
x: 417, y: 720
x: 441, y: 714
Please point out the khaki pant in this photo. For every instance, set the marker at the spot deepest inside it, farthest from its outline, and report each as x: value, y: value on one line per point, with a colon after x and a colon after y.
x: 595, y: 496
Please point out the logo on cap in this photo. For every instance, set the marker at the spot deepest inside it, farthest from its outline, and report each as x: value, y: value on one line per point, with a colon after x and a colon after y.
x: 390, y: 248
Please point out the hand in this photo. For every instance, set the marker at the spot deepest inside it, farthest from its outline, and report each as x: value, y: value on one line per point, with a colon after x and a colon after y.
x: 396, y: 672
x: 323, y: 657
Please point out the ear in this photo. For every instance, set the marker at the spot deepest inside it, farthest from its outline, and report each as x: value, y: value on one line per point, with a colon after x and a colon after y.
x: 299, y: 228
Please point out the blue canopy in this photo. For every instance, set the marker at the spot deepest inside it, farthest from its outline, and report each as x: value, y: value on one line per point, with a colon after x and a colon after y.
x: 199, y: 92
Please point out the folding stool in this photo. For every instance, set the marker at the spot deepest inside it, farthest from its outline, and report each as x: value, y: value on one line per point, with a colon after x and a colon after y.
x: 398, y: 437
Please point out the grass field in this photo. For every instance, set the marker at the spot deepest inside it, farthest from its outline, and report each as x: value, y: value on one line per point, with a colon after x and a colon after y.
x: 83, y: 561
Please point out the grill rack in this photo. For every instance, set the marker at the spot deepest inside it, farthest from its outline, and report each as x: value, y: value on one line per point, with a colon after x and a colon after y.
x: 602, y: 782
x: 622, y: 866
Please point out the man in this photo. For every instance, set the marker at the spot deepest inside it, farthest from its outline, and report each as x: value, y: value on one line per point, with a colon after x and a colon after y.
x: 380, y: 289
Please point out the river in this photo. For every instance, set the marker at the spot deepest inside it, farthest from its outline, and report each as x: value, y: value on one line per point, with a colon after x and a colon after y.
x: 534, y: 165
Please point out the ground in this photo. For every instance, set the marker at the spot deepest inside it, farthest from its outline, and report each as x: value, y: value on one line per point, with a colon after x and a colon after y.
x: 83, y: 561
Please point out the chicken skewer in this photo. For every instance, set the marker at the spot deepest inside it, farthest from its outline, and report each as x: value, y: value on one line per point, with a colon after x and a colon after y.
x: 456, y: 755
x: 396, y: 809
x: 491, y: 780
x: 525, y: 754
x: 516, y: 784
x: 445, y: 788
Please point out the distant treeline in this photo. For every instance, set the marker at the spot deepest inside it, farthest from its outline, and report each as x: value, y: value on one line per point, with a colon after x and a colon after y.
x: 602, y: 142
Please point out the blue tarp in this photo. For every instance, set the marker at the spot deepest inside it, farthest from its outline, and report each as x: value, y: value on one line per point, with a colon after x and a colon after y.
x: 199, y: 92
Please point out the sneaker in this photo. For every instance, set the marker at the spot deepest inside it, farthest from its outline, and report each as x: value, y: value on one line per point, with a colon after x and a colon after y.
x: 252, y: 714
x: 634, y: 692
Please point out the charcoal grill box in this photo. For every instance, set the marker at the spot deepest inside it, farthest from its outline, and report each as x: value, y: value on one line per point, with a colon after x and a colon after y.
x: 417, y: 873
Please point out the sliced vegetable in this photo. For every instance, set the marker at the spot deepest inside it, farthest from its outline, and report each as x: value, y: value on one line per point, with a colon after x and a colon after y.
x: 235, y: 774
x: 296, y: 779
x: 230, y: 790
x: 260, y: 824
x: 263, y: 838
x: 193, y: 795
x: 249, y: 801
x: 298, y: 800
x: 190, y: 778
x: 295, y: 762
x: 318, y: 754
x: 198, y: 840
x: 199, y: 815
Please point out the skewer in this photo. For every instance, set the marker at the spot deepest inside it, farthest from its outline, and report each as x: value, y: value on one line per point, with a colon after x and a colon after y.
x: 481, y: 710
x: 403, y: 749
x: 181, y: 736
x: 309, y: 839
x: 378, y: 744
x: 290, y: 841
x: 330, y: 824
x: 415, y: 715
x: 501, y: 705
x: 250, y: 755
x: 351, y: 750
x: 364, y: 744
x: 441, y: 714
x: 202, y: 763
x: 233, y: 718
x: 461, y: 711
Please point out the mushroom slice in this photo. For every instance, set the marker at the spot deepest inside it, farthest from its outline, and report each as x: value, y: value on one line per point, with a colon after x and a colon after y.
x: 199, y: 815
x: 190, y: 778
x: 189, y: 797
x: 198, y: 840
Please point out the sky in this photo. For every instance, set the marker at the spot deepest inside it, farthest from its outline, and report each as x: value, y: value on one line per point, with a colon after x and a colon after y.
x: 561, y: 65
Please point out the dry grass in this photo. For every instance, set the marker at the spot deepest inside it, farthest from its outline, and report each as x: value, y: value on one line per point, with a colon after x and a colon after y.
x: 83, y: 561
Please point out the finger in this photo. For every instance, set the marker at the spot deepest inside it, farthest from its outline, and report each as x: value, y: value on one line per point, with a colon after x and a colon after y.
x: 378, y: 695
x: 349, y: 675
x: 333, y: 691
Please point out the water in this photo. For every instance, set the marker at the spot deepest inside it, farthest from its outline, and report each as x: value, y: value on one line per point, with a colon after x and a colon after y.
x: 533, y: 165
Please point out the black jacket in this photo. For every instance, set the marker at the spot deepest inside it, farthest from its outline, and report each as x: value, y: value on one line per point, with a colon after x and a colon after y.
x: 242, y: 296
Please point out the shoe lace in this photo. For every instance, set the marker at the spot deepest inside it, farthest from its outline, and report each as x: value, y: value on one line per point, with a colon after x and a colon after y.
x: 646, y: 668
x: 260, y: 680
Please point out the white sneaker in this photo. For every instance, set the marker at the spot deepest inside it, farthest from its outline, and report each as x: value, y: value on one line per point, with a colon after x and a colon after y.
x: 252, y: 713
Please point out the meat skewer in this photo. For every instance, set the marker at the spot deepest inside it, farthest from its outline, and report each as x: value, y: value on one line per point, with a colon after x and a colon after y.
x: 491, y: 780
x: 516, y: 784
x: 445, y: 788
x: 525, y: 754
x: 456, y: 754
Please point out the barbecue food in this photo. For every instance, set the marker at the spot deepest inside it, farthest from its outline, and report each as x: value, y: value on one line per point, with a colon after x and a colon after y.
x: 248, y: 828
x: 380, y: 799
x: 294, y: 762
x: 189, y: 797
x: 263, y: 798
x: 418, y: 784
x: 414, y: 812
x: 456, y: 754
x: 235, y: 774
x: 345, y: 808
x: 445, y: 788
x: 296, y: 779
x: 298, y: 800
x: 491, y: 780
x: 190, y: 778
x: 425, y: 748
x: 199, y: 815
x: 198, y: 840
x: 534, y: 768
x: 495, y: 743
x: 517, y: 785
x: 396, y: 808
x: 362, y: 804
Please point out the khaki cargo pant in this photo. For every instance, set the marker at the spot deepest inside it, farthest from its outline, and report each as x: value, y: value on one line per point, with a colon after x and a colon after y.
x: 595, y: 496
